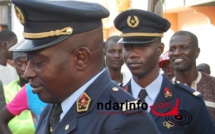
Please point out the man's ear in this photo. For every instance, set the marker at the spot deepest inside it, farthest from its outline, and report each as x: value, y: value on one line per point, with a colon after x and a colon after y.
x: 4, y: 44
x: 83, y: 57
x: 197, y: 52
x: 160, y: 48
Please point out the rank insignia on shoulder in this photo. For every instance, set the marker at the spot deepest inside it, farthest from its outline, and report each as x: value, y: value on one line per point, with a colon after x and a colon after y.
x: 196, y: 93
x: 188, y: 89
x: 120, y: 84
x: 83, y: 103
x: 167, y: 92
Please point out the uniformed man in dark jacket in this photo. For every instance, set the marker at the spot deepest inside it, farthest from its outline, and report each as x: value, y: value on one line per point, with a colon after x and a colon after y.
x: 64, y: 43
x: 175, y: 108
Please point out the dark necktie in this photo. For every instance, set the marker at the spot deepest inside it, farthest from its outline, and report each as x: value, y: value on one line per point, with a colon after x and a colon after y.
x: 142, y: 95
x: 55, y: 116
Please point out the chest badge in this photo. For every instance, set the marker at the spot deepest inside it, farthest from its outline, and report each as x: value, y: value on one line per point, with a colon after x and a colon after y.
x: 168, y: 124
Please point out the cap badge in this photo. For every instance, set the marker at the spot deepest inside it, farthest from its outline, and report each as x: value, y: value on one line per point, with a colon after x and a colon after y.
x: 83, y: 103
x: 20, y: 15
x: 132, y: 21
x: 167, y: 92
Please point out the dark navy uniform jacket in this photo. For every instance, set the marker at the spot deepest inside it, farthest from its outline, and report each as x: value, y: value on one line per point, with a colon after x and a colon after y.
x: 192, y: 117
x: 98, y: 121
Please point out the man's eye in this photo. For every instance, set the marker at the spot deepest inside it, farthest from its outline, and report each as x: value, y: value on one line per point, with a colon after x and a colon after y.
x: 127, y: 47
x: 185, y: 47
x: 142, y: 46
x: 111, y: 51
x: 38, y: 63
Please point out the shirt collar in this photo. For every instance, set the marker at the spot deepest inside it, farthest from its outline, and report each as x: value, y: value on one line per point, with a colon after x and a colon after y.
x: 152, y: 89
x: 68, y: 103
x: 194, y: 83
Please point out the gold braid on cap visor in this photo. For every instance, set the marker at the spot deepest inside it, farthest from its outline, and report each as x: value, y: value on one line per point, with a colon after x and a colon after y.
x: 142, y: 34
x: 64, y: 31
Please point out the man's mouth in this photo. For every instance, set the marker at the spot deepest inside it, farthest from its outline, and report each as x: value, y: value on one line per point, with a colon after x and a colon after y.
x: 177, y: 61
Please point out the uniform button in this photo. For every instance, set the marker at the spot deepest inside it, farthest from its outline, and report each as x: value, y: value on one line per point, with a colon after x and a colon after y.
x: 115, y: 89
x: 66, y: 127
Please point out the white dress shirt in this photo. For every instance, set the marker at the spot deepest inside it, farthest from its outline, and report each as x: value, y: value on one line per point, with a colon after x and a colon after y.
x: 152, y: 90
x: 68, y: 103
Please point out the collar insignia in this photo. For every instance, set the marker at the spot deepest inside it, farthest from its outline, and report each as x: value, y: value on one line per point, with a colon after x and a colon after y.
x: 126, y: 88
x: 20, y: 15
x: 132, y: 22
x: 83, y: 103
x: 167, y: 92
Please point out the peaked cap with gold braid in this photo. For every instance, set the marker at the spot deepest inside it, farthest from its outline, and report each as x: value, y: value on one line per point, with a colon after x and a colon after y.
x: 47, y: 23
x: 140, y: 27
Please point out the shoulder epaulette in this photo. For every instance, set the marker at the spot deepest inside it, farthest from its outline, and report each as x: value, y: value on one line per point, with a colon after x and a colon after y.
x: 120, y: 84
x: 188, y: 89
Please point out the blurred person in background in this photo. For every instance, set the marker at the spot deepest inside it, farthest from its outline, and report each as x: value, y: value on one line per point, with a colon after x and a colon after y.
x: 166, y: 66
x: 23, y: 123
x: 7, y: 72
x: 114, y: 60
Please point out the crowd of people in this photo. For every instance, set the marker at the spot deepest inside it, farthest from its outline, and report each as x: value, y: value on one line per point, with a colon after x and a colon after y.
x: 53, y: 80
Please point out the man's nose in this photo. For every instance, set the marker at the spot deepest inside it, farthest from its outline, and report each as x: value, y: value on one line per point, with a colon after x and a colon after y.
x: 29, y: 71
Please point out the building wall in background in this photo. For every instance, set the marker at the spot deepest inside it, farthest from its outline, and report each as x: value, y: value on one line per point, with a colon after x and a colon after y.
x: 199, y: 19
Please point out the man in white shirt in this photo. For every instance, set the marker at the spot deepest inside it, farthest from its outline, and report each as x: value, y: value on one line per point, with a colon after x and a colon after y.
x: 7, y: 72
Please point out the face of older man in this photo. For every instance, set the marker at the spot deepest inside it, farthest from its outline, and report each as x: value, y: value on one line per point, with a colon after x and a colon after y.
x: 50, y: 72
x: 58, y: 71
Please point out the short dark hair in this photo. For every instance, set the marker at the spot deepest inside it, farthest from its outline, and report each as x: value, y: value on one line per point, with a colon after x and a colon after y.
x: 111, y: 40
x: 6, y: 35
x: 189, y: 34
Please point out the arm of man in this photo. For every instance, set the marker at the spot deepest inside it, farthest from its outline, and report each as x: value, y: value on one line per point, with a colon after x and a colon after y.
x: 5, y: 117
x: 19, y: 103
x: 15, y: 107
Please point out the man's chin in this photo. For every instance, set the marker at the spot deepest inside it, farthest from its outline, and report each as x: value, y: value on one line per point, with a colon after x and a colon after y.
x: 23, y: 80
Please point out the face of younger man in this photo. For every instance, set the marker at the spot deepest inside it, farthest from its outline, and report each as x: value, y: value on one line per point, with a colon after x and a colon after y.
x: 142, y: 59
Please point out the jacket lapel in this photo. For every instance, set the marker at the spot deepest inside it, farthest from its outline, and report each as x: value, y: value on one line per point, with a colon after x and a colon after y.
x: 165, y: 102
x: 69, y: 122
x: 94, y: 91
x: 127, y: 87
x: 44, y: 126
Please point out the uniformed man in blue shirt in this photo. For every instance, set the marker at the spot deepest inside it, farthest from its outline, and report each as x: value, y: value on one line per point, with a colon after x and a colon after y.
x: 175, y: 108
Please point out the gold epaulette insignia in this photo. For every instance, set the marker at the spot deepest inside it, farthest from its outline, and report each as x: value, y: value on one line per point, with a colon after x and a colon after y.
x: 196, y: 93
